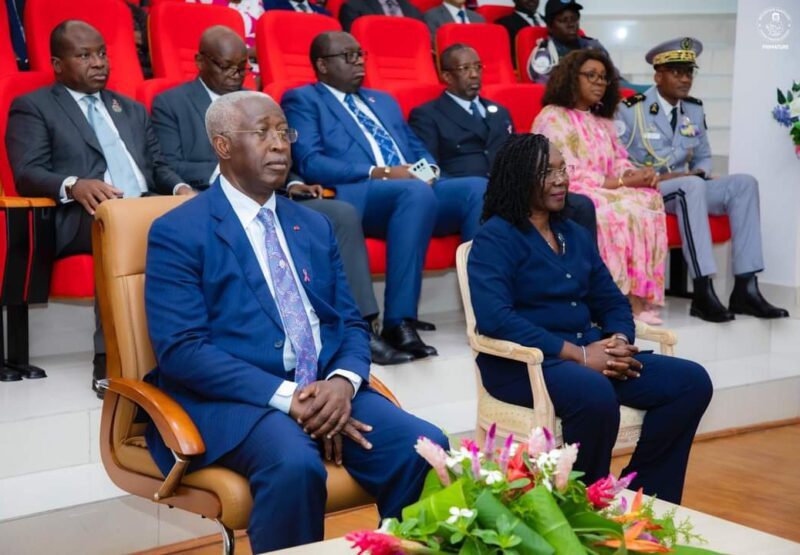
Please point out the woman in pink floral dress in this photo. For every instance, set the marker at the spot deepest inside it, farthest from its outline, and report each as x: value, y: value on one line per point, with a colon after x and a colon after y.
x: 580, y: 101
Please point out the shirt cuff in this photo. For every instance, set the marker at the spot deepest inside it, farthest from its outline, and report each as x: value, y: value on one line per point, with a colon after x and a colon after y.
x: 282, y: 398
x: 352, y: 377
x: 62, y: 192
x: 178, y: 186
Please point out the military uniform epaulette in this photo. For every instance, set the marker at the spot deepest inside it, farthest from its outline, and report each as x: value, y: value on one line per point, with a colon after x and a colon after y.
x: 693, y: 100
x: 631, y: 100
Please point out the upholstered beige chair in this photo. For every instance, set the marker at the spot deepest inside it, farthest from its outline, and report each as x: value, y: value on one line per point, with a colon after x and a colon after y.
x: 119, y: 240
x: 520, y: 420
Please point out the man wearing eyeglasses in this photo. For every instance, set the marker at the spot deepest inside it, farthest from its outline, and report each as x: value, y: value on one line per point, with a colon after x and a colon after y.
x: 179, y: 121
x: 664, y: 128
x: 356, y: 140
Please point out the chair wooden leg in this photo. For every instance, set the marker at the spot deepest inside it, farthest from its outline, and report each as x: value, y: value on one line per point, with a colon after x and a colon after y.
x: 228, y: 541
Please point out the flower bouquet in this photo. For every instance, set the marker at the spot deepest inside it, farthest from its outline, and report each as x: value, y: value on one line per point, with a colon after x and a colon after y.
x: 522, y: 499
x: 787, y: 113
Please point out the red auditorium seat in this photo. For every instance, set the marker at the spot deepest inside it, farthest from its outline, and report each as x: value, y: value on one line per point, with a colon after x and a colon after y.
x: 441, y: 254
x: 525, y: 41
x: 523, y: 100
x: 398, y: 51
x: 492, y: 13
x: 149, y: 89
x: 625, y: 92
x: 175, y: 29
x: 112, y: 19
x: 720, y: 230
x: 334, y: 6
x: 283, y: 40
x: 425, y: 5
x: 412, y: 96
x: 8, y: 59
x: 489, y: 40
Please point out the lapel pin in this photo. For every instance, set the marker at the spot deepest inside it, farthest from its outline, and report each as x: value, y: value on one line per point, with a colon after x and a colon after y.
x: 306, y: 277
x: 654, y: 108
x: 371, y: 99
x: 510, y: 129
x: 491, y: 108
x: 115, y: 106
x: 296, y: 228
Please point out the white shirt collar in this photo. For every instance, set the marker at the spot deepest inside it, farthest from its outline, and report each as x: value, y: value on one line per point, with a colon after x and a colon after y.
x: 454, y: 11
x: 336, y: 92
x: 79, y: 95
x: 667, y: 107
x: 211, y: 94
x: 466, y: 104
x: 246, y: 209
x: 534, y: 21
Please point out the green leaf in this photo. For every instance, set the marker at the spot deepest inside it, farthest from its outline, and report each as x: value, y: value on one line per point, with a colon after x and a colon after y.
x: 551, y: 523
x: 431, y: 485
x: 689, y: 550
x: 474, y: 547
x: 593, y: 522
x: 789, y: 96
x: 781, y: 98
x: 490, y: 509
x: 437, y: 505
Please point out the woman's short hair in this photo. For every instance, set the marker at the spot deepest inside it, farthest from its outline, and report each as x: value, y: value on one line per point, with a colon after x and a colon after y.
x: 563, y: 87
x: 517, y: 176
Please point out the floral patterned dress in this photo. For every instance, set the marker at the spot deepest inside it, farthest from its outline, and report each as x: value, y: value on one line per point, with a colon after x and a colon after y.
x: 631, y: 223
x: 250, y: 11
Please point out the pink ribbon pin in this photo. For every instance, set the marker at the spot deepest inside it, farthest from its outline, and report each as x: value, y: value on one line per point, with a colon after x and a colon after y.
x: 306, y: 277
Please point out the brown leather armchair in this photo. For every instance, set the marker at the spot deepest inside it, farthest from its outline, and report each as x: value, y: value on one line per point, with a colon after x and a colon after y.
x: 119, y: 239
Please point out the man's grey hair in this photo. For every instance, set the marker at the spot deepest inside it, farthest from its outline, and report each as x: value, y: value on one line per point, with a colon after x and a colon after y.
x: 222, y: 114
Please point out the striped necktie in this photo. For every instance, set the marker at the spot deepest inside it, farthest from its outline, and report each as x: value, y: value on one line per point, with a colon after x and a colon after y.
x: 385, y: 143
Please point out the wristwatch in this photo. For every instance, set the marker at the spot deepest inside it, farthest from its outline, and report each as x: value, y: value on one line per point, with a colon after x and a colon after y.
x: 68, y: 184
x: 621, y: 337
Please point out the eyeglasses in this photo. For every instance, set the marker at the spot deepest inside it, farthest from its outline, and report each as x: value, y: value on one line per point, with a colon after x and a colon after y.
x: 466, y: 68
x: 678, y: 72
x: 350, y: 57
x: 554, y: 175
x: 595, y: 78
x: 232, y: 70
x: 287, y: 135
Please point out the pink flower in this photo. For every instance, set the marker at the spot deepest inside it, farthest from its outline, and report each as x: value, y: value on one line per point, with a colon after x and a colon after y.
x: 603, y: 491
x: 374, y: 543
x: 476, y: 462
x: 488, y: 446
x: 468, y: 444
x: 436, y: 457
x: 564, y: 465
x: 504, y: 454
x: 541, y: 441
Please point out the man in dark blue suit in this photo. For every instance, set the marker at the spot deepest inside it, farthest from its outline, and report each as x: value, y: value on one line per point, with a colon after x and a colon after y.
x: 464, y: 131
x: 179, y: 122
x: 303, y: 6
x: 356, y: 140
x: 258, y: 339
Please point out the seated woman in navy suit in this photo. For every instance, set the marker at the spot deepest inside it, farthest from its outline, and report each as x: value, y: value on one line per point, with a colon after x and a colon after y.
x: 537, y: 279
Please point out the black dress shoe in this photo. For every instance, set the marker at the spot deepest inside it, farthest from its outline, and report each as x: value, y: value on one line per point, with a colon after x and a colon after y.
x: 421, y: 325
x: 98, y: 373
x: 99, y: 391
x: 384, y: 354
x: 705, y: 303
x: 9, y: 374
x: 405, y: 338
x: 746, y: 298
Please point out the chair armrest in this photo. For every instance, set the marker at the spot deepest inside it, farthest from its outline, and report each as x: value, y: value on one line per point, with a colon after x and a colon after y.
x: 26, y: 202
x: 506, y: 349
x: 381, y: 388
x: 174, y: 425
x: 659, y: 335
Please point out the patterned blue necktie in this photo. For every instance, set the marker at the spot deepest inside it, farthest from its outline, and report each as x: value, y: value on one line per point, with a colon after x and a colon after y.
x: 389, y: 152
x: 290, y: 305
x: 462, y: 15
x: 122, y: 174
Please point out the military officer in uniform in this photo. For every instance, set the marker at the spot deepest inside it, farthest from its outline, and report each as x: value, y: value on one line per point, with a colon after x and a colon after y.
x: 665, y: 128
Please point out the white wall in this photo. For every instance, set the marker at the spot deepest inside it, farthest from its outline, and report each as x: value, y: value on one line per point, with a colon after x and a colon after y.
x: 759, y: 146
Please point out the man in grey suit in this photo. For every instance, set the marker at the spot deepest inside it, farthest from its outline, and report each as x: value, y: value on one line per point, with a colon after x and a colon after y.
x: 80, y: 145
x: 665, y: 128
x: 353, y: 9
x: 179, y: 122
x: 450, y: 11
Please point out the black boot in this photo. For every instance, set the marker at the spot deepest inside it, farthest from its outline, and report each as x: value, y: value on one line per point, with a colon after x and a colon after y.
x: 705, y: 303
x: 747, y: 299
x: 98, y: 373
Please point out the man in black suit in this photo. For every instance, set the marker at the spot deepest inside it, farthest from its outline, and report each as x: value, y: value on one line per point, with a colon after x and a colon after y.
x: 463, y: 131
x: 80, y: 145
x: 179, y: 122
x: 524, y: 16
x: 353, y: 9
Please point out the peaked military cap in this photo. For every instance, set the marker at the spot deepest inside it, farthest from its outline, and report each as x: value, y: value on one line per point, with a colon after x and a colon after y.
x: 676, y: 51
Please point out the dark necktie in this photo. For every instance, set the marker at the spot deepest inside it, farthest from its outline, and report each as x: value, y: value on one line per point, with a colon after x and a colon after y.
x: 301, y: 5
x: 394, y: 8
x: 462, y: 15
x: 476, y: 113
x: 674, y: 118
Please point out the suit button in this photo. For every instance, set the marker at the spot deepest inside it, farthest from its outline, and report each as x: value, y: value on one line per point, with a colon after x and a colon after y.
x: 579, y: 335
x: 278, y: 344
x: 569, y: 276
x: 458, y: 146
x: 486, y: 152
x: 573, y: 303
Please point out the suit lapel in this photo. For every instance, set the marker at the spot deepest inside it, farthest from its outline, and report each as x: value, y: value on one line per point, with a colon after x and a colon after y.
x: 296, y: 234
x: 344, y: 118
x: 122, y: 123
x: 460, y: 117
x: 230, y: 230
x: 199, y: 98
x: 74, y: 113
x: 661, y: 120
x: 497, y: 124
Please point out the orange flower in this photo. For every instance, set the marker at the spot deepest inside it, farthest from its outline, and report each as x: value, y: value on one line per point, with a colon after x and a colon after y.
x: 632, y: 543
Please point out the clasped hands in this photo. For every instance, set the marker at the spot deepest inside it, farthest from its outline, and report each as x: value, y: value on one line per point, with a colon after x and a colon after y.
x: 323, y: 410
x: 613, y: 358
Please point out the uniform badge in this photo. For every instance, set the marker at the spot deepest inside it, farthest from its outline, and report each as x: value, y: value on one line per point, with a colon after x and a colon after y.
x: 491, y: 109
x: 619, y: 125
x: 687, y: 128
x: 541, y: 64
x: 115, y: 106
x: 654, y: 108
x: 687, y: 43
x: 649, y: 160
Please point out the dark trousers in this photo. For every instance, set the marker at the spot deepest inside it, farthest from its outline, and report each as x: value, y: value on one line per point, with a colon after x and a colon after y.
x: 674, y: 392
x: 287, y: 475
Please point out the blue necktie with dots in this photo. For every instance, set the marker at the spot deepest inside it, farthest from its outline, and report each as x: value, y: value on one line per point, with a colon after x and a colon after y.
x: 389, y: 152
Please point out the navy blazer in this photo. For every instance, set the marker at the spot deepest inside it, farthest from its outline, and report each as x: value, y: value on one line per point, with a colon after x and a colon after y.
x: 462, y: 145
x: 331, y: 148
x: 524, y: 292
x: 287, y: 6
x: 214, y: 325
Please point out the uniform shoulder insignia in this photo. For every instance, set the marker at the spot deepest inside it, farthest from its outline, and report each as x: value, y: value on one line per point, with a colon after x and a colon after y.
x: 693, y: 100
x: 631, y: 100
